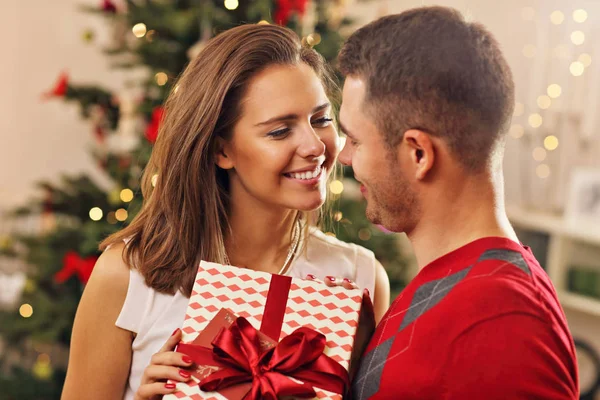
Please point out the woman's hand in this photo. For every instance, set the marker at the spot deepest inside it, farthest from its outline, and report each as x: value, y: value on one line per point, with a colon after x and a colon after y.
x: 166, y: 364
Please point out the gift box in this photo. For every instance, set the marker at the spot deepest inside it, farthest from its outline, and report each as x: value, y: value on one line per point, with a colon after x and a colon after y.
x: 302, y: 331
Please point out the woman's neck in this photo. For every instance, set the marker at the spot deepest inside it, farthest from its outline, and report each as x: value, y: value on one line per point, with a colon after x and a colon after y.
x: 260, y: 237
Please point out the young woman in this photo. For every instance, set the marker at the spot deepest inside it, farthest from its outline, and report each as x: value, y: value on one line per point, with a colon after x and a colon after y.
x: 242, y: 160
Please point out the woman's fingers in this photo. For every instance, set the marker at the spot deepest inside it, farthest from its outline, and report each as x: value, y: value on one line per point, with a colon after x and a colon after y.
x: 171, y: 341
x: 171, y: 358
x: 349, y: 284
x: 332, y: 281
x: 162, y: 372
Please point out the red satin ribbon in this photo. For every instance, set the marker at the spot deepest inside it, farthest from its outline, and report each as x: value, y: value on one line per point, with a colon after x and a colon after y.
x: 237, y: 351
x: 275, y: 306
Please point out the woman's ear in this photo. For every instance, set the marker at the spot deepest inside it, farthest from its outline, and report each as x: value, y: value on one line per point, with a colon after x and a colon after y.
x: 223, y: 157
x: 421, y: 150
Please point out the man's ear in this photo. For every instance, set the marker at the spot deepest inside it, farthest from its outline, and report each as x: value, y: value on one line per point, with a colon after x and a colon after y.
x: 421, y: 151
x: 223, y: 157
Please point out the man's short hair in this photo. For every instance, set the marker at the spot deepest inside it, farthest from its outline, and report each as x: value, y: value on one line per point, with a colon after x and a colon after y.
x: 428, y: 68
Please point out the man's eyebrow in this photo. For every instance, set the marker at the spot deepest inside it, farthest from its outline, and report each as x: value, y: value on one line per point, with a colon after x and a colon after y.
x: 293, y: 116
x: 345, y: 130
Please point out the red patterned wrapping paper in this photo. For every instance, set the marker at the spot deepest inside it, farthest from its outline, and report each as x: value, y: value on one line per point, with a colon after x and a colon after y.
x: 332, y: 311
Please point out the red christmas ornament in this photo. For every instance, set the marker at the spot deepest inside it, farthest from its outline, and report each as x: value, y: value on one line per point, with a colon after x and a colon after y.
x: 124, y: 162
x: 109, y: 6
x: 60, y: 87
x: 285, y: 9
x: 154, y: 125
x: 73, y: 264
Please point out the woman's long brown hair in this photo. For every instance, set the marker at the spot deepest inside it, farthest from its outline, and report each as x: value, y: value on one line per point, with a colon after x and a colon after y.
x: 184, y: 217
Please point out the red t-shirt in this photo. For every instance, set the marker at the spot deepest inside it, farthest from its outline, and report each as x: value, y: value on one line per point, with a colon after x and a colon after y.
x: 482, y: 322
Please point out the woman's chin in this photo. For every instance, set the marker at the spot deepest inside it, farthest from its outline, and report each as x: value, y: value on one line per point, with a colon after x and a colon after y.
x: 309, y: 204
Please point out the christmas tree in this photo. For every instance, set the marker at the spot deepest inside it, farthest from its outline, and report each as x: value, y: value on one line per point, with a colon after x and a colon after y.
x: 160, y: 37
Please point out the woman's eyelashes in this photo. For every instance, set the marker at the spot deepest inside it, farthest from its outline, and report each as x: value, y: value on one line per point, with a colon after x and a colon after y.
x: 320, y: 122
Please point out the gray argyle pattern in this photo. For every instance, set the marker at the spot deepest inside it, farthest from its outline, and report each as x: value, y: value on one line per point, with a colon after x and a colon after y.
x: 427, y: 296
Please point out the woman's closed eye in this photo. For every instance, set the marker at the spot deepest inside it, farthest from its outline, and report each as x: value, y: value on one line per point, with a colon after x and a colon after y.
x: 321, y: 122
x: 279, y: 133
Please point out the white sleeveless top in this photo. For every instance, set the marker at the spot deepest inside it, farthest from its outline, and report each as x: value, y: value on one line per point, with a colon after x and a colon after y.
x: 153, y: 316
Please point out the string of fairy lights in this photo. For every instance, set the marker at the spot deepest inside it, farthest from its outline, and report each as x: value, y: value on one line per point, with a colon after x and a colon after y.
x: 553, y: 90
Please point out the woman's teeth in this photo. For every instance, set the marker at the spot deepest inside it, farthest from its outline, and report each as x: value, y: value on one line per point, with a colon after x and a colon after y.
x: 306, y: 175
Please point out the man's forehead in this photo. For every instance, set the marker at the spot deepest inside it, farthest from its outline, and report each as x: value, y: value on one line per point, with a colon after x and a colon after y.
x: 354, y: 89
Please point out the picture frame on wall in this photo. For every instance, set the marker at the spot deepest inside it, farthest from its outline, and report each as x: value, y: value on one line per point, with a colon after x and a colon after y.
x: 583, y: 198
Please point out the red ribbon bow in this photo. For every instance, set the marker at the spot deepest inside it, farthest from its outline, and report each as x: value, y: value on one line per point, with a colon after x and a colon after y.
x: 109, y: 6
x: 73, y: 264
x: 154, y: 125
x: 285, y: 8
x: 239, y: 354
x: 60, y: 87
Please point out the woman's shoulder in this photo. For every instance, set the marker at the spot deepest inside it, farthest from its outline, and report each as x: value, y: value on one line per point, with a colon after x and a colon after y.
x: 111, y: 271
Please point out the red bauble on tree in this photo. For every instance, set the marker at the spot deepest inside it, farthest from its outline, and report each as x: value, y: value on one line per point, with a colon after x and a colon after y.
x: 60, y: 87
x: 73, y: 264
x: 154, y: 125
x: 109, y: 6
x: 285, y: 9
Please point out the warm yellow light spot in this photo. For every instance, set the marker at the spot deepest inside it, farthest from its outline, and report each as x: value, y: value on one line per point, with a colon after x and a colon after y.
x: 96, y: 214
x: 516, y: 131
x: 313, y: 39
x: 544, y: 102
x: 528, y: 13
x: 519, y: 109
x: 126, y: 195
x: 580, y: 15
x: 42, y: 369
x: 557, y: 17
x: 336, y: 187
x: 529, y: 51
x: 535, y: 120
x: 139, y: 30
x: 154, y: 180
x: 231, y: 4
x: 26, y: 310
x: 161, y: 78
x: 577, y: 68
x: 577, y: 37
x: 263, y: 22
x: 554, y: 90
x: 539, y: 154
x: 338, y: 216
x: 551, y: 142
x: 121, y: 214
x: 585, y: 59
x: 364, y: 234
x: 542, y: 171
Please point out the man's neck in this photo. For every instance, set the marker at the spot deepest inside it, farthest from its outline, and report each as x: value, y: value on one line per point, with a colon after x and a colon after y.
x: 260, y: 235
x: 473, y: 211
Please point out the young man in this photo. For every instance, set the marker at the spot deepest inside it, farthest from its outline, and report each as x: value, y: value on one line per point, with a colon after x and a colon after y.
x: 427, y: 101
